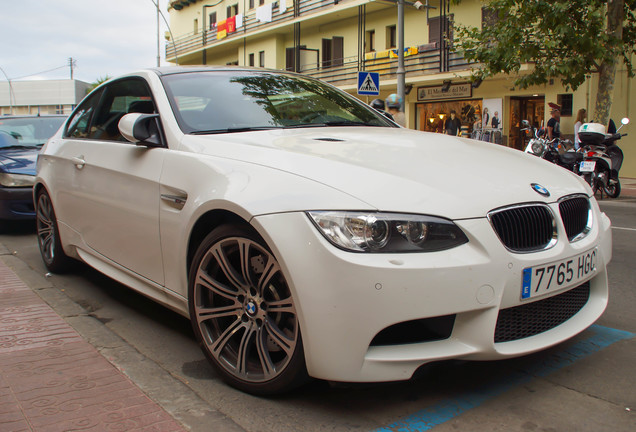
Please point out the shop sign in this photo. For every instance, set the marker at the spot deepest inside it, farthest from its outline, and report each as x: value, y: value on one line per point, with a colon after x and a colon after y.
x: 455, y: 91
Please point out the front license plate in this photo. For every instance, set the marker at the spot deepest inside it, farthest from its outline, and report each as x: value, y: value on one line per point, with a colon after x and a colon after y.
x: 557, y: 276
x: 587, y: 166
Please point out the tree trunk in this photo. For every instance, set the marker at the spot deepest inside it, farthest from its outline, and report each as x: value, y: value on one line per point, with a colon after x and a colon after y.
x: 607, y: 69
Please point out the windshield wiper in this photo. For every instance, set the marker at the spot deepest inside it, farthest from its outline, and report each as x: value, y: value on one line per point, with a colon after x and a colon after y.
x: 234, y: 129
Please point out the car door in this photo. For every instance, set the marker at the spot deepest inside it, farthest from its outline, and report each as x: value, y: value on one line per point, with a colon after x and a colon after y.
x: 112, y: 185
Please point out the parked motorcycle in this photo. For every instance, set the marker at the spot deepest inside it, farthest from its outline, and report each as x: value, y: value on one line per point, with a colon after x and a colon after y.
x: 602, y: 158
x: 557, y: 151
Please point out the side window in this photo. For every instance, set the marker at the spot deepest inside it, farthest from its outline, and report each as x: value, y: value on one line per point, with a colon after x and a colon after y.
x: 78, y: 126
x: 128, y: 95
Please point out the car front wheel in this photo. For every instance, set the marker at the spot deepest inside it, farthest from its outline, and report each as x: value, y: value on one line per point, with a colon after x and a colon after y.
x: 243, y: 313
x: 48, y: 235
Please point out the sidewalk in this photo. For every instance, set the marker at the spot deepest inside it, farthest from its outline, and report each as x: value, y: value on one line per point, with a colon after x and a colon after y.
x: 51, y: 379
x: 628, y: 188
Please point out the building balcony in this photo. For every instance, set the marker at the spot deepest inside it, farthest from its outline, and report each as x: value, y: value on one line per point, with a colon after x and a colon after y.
x: 426, y: 59
x: 281, y: 18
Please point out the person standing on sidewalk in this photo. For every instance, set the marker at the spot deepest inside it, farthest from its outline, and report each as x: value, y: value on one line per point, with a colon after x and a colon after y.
x: 393, y: 105
x: 580, y: 119
x: 554, y: 125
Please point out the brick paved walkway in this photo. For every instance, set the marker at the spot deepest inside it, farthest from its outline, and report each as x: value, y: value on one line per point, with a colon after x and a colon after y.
x: 53, y: 380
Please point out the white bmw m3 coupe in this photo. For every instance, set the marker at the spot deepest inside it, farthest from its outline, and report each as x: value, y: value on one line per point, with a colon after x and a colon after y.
x: 305, y: 235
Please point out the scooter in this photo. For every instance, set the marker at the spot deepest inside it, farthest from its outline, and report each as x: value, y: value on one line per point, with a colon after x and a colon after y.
x: 602, y: 158
x: 557, y: 151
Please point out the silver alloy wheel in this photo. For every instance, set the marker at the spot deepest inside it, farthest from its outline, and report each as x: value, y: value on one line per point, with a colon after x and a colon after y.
x: 244, y: 310
x: 45, y: 228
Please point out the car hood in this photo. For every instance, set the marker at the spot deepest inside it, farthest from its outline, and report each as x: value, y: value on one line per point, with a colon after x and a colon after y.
x: 401, y: 170
x: 18, y: 161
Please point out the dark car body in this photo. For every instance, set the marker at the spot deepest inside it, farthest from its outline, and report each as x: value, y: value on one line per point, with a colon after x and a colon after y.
x: 21, y: 138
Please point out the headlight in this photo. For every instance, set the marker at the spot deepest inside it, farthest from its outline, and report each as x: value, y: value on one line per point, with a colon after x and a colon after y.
x: 387, y: 232
x: 537, y: 147
x: 16, y: 180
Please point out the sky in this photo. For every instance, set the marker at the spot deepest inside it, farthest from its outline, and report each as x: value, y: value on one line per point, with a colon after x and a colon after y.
x: 104, y: 38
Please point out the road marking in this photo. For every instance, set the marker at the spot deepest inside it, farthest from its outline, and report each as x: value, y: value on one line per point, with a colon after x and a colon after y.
x: 626, y: 229
x: 447, y: 409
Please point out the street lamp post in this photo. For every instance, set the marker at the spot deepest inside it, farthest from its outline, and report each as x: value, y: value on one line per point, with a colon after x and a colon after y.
x: 401, y: 72
x: 158, y: 38
x: 11, y: 94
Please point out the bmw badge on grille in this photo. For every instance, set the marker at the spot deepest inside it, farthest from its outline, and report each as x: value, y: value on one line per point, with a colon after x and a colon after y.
x: 540, y: 189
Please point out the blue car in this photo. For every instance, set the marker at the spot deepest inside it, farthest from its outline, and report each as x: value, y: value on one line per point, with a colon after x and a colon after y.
x: 21, y: 138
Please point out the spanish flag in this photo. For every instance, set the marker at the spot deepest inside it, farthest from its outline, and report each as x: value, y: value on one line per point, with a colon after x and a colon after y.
x: 230, y: 24
x: 221, y: 29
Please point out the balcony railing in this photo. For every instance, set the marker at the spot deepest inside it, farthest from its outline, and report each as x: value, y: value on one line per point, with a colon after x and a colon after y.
x: 197, y: 40
x: 427, y: 60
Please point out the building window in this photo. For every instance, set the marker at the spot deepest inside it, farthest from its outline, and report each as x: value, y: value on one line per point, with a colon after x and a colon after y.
x: 232, y: 10
x: 196, y: 26
x: 59, y: 109
x: 251, y: 4
x: 489, y: 17
x: 212, y: 24
x: 369, y: 41
x: 565, y: 100
x: 391, y: 41
x: 261, y: 2
x: 333, y: 52
x: 261, y: 58
x: 251, y: 59
x: 436, y: 32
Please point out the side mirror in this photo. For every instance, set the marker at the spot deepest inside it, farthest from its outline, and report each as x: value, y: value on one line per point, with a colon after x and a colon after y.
x: 141, y: 129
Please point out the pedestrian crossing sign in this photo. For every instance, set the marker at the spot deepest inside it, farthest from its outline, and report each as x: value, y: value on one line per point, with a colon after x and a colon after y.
x: 368, y: 83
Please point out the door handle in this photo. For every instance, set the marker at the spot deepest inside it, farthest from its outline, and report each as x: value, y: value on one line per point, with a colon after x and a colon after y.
x: 79, y: 162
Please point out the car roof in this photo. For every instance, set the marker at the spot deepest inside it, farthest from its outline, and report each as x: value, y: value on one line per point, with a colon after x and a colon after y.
x: 11, y: 116
x: 170, y: 70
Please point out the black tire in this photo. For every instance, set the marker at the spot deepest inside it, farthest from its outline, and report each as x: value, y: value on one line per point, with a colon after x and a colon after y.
x: 613, y: 190
x: 48, y: 235
x: 243, y: 313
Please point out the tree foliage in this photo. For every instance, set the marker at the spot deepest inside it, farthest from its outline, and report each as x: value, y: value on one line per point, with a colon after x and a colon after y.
x: 561, y: 39
x: 97, y: 83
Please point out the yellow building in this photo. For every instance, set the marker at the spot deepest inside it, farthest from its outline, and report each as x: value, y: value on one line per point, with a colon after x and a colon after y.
x: 334, y: 39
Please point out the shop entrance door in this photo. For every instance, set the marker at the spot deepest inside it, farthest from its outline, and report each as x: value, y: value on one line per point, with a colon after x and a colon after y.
x: 525, y: 108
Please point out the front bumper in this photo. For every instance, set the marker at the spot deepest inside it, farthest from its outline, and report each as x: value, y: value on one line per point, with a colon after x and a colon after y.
x: 344, y: 300
x: 16, y: 203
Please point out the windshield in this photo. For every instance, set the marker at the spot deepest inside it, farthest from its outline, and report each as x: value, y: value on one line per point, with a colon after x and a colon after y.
x: 28, y: 131
x: 231, y: 101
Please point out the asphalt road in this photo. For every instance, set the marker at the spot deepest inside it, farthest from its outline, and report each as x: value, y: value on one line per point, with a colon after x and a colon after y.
x: 586, y: 384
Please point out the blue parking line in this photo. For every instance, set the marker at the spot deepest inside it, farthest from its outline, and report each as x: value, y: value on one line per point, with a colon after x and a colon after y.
x: 423, y: 420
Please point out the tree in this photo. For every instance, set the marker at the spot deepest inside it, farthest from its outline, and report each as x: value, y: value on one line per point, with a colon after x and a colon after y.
x: 97, y: 83
x: 560, y: 39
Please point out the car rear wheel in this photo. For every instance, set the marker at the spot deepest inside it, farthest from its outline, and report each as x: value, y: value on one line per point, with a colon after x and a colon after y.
x: 243, y: 313
x: 48, y: 234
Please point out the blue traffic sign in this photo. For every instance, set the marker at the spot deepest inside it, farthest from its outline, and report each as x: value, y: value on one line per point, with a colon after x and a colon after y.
x: 368, y: 83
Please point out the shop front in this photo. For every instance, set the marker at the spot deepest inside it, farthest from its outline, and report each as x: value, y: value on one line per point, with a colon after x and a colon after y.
x: 480, y: 118
x: 525, y: 108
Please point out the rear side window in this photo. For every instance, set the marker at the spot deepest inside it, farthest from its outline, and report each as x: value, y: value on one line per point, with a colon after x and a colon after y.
x: 78, y: 125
